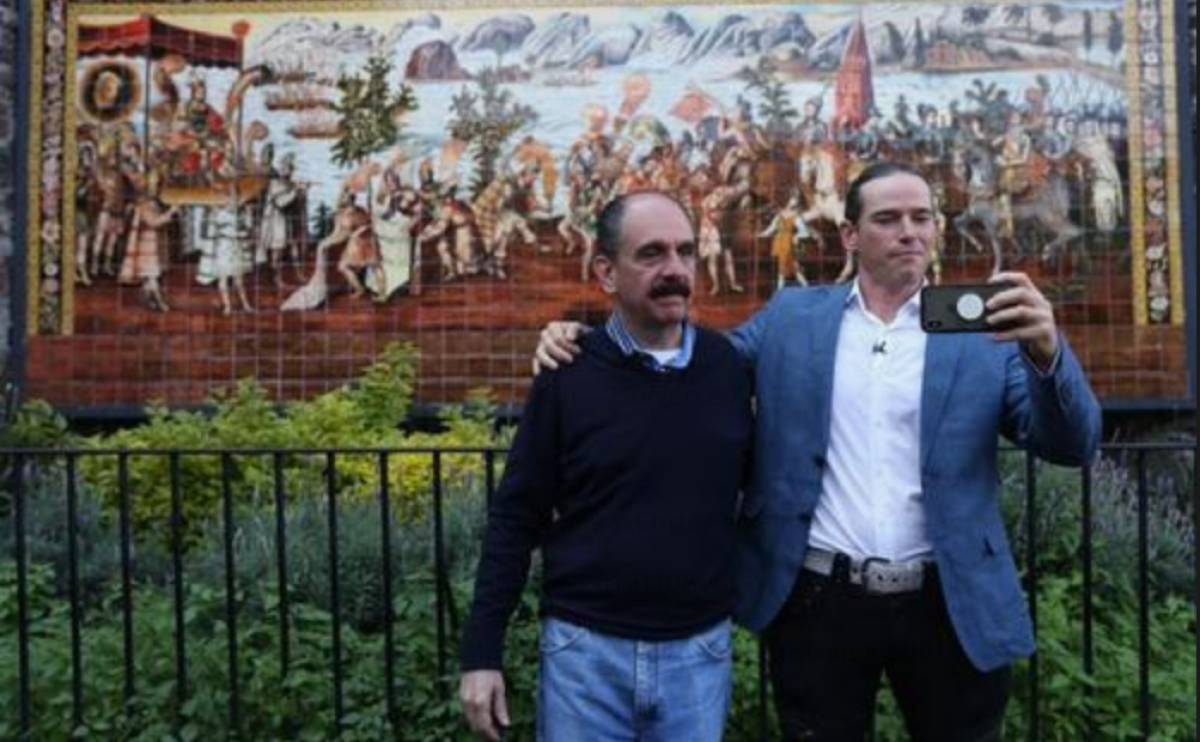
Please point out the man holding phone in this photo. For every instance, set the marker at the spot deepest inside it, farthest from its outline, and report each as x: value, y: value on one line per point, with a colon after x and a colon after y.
x: 873, y: 543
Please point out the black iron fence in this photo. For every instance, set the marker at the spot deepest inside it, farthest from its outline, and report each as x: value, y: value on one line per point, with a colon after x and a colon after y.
x: 359, y: 533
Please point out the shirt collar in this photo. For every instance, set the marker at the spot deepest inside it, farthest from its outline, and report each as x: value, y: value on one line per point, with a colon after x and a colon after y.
x: 910, y: 308
x: 629, y: 346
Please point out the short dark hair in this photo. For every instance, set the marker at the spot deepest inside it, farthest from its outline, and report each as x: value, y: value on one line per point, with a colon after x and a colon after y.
x: 854, y: 204
x: 612, y: 220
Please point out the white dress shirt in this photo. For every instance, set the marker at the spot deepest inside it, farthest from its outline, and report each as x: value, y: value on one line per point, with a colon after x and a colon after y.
x: 871, y: 503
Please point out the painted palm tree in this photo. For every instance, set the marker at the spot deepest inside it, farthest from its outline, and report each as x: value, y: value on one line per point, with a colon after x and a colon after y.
x: 1018, y: 14
x: 775, y: 109
x: 1116, y: 37
x: 974, y: 17
x: 1054, y: 15
x: 487, y: 119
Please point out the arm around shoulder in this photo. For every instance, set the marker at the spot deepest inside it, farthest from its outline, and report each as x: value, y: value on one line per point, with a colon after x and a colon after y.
x: 748, y: 338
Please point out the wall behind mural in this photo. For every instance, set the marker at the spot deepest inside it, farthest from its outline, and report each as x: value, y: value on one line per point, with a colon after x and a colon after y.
x: 8, y: 95
x: 278, y: 190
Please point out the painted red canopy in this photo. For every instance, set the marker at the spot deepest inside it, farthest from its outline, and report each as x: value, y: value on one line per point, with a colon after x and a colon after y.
x: 149, y: 36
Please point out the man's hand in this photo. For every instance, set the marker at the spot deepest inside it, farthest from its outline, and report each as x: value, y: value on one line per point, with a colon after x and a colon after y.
x: 557, y: 344
x: 483, y: 703
x: 1026, y: 316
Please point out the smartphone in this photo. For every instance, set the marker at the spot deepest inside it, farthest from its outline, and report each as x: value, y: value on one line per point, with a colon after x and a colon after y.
x: 960, y: 308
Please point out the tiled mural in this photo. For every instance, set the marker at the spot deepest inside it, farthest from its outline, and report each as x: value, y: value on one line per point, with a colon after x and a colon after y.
x: 279, y: 189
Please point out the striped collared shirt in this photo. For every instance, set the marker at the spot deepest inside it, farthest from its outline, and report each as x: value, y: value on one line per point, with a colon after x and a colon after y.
x: 629, y: 346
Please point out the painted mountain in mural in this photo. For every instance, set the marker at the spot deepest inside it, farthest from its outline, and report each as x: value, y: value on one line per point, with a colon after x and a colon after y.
x: 928, y: 36
x: 553, y: 44
x: 297, y: 38
x: 737, y: 36
x: 434, y: 60
x: 501, y: 35
x: 665, y: 41
x: 975, y: 33
x: 568, y: 40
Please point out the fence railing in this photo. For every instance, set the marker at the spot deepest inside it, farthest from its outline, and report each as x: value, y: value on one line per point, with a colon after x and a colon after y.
x: 207, y: 505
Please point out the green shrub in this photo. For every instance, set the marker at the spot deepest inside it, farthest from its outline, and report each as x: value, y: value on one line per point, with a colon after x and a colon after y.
x: 298, y: 705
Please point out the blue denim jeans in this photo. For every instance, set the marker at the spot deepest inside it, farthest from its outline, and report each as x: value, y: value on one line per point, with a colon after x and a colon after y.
x: 598, y: 688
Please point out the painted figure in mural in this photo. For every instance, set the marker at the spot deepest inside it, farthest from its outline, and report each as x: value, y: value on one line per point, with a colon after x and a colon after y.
x: 812, y: 131
x: 862, y: 144
x: 737, y: 171
x: 1013, y: 160
x: 115, y: 192
x: 88, y: 207
x: 360, y: 252
x: 639, y: 176
x: 429, y: 187
x: 353, y: 232
x: 199, y: 136
x: 146, y: 253
x: 900, y: 127
x: 230, y: 231
x: 937, y: 246
x: 819, y: 184
x: 1101, y: 175
x: 974, y: 167
x: 585, y: 198
x: 787, y: 231
x: 279, y: 221
x: 928, y: 144
x: 500, y: 212
x: 1056, y: 141
x: 715, y: 252
x: 395, y: 225
x: 538, y: 174
x: 453, y: 228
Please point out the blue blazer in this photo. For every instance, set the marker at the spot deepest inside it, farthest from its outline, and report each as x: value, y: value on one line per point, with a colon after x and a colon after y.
x: 974, y: 390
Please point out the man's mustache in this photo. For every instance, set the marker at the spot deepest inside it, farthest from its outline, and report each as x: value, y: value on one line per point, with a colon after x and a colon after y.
x: 673, y: 288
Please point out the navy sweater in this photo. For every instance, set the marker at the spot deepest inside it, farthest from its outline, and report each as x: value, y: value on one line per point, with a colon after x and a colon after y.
x: 627, y: 479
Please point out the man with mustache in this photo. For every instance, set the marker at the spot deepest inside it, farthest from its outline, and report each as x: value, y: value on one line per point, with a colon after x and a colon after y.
x: 872, y: 540
x: 625, y: 471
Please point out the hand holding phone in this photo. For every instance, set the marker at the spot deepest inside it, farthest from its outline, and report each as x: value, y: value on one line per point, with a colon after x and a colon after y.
x: 959, y: 308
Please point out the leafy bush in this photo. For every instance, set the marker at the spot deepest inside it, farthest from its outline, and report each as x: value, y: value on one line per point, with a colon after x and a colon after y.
x: 363, y: 415
x: 1074, y: 705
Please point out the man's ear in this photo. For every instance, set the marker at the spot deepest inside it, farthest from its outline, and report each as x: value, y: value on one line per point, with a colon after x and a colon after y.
x: 849, y: 235
x: 604, y: 270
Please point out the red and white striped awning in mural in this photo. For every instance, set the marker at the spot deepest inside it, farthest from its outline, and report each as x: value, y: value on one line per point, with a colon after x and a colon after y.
x: 149, y: 36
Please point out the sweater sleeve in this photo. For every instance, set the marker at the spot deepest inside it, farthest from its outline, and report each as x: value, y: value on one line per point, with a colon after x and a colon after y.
x: 521, y: 511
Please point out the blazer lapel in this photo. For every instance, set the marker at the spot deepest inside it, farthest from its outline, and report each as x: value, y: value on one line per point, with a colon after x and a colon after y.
x: 941, y: 361
x: 823, y: 342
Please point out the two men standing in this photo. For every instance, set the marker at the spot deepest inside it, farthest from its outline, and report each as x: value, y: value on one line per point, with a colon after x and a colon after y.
x: 871, y: 542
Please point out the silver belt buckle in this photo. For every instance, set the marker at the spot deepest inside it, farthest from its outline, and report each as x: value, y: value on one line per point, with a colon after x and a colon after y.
x: 887, y: 578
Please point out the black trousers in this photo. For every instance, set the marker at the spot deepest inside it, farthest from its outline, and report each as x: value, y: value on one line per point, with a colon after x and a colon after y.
x: 833, y: 642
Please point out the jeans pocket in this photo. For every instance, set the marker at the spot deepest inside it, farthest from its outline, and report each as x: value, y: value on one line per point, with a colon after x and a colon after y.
x: 717, y: 642
x: 557, y: 636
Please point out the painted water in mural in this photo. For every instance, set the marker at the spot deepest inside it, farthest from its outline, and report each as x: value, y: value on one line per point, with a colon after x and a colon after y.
x: 274, y: 160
